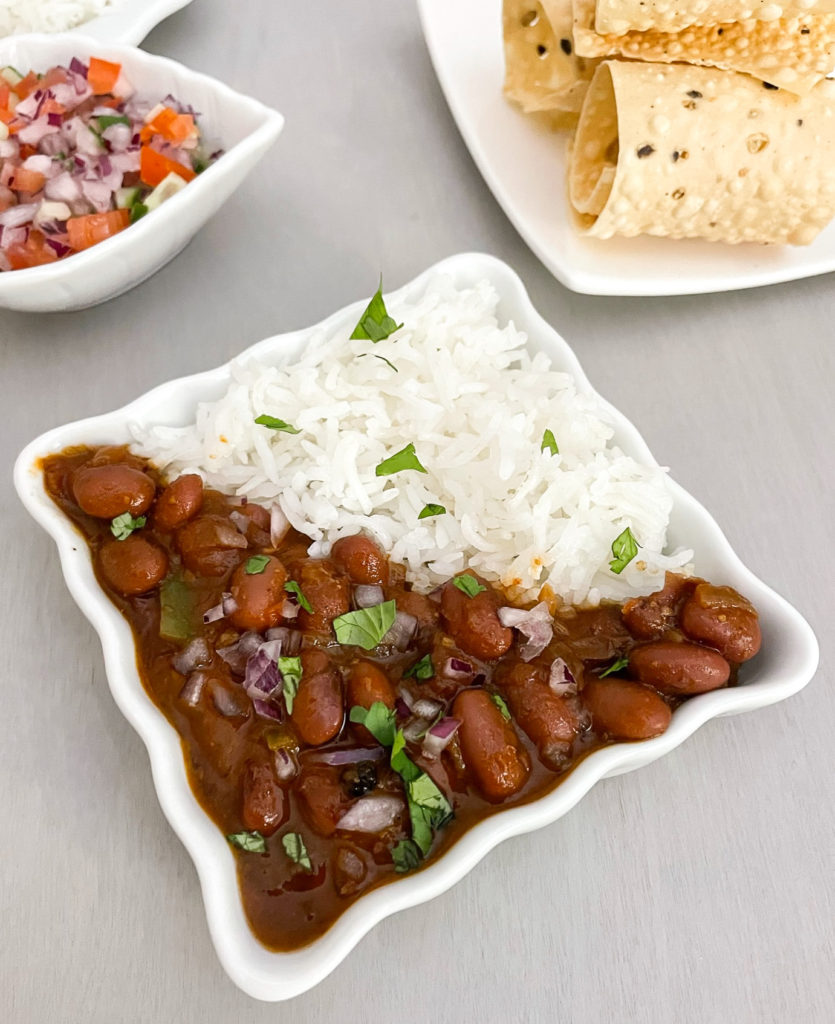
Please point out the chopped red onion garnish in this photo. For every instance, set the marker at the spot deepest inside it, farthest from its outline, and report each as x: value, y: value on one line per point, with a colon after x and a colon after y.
x: 402, y: 708
x: 561, y: 679
x: 351, y: 756
x: 195, y: 655
x: 536, y: 624
x: 371, y: 813
x: 426, y: 708
x: 290, y: 610
x: 402, y: 630
x: 262, y: 677
x: 240, y: 520
x: 237, y: 654
x: 267, y: 710
x: 457, y: 670
x: 230, y: 605
x: 439, y: 736
x: 367, y: 595
x: 286, y: 765
x: 193, y: 689
x: 290, y: 639
x: 213, y: 614
x: 227, y: 703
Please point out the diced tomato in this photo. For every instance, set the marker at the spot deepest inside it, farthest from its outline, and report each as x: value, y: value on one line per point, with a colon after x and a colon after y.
x: 154, y: 167
x: 5, y: 93
x: 102, y: 76
x: 7, y: 116
x: 96, y: 227
x: 27, y: 85
x: 55, y: 76
x: 26, y: 150
x: 33, y: 253
x: 26, y: 181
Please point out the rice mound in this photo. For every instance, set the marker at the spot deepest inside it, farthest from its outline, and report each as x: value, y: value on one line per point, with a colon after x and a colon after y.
x: 475, y: 402
x: 47, y: 15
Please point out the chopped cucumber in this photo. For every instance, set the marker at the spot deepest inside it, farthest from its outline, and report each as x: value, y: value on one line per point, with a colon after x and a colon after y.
x: 12, y: 75
x: 126, y: 197
x: 169, y: 186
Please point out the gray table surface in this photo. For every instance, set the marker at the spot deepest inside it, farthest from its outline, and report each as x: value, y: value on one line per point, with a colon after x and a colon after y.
x: 696, y: 890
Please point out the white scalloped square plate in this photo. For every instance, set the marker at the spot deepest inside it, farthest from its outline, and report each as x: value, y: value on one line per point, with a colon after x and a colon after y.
x: 129, y: 21
x: 525, y: 167
x: 786, y: 663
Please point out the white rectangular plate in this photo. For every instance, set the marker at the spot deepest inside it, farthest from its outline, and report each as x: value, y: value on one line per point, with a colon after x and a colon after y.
x: 786, y: 663
x: 525, y: 167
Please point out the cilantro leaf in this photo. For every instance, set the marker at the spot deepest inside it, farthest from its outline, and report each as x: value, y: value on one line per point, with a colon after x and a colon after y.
x: 249, y: 842
x: 388, y: 361
x: 275, y: 424
x: 431, y: 510
x: 296, y: 850
x: 468, y: 585
x: 124, y: 525
x: 423, y: 669
x: 428, y: 807
x: 256, y: 565
x: 106, y: 120
x: 624, y: 548
x: 375, y: 324
x: 365, y: 627
x: 378, y: 719
x: 500, y: 704
x: 404, y: 459
x: 293, y: 588
x: 616, y: 666
x: 177, y: 609
x: 291, y: 674
x: 406, y: 855
x: 549, y: 442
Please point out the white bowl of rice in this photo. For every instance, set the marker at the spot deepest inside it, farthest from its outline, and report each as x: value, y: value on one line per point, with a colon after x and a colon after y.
x: 464, y: 306
x: 109, y: 21
x: 240, y: 126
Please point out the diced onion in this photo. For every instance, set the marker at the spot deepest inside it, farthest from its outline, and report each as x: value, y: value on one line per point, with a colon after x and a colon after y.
x: 402, y: 630
x: 366, y: 595
x: 560, y: 678
x: 351, y: 756
x: 279, y: 525
x: 195, y: 655
x: 536, y: 624
x: 439, y: 736
x: 371, y: 814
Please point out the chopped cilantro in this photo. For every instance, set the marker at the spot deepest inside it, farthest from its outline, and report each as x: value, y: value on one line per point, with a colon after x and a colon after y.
x: 428, y: 807
x: 293, y: 588
x: 616, y: 666
x: 624, y: 548
x: 124, y: 525
x: 423, y: 669
x: 375, y: 324
x: 275, y: 424
x: 106, y: 120
x: 500, y: 704
x: 431, y: 510
x: 291, y: 673
x: 388, y: 362
x: 468, y: 585
x: 137, y: 212
x: 249, y: 842
x: 296, y: 850
x: 549, y: 442
x: 406, y: 855
x: 378, y: 719
x: 256, y: 565
x: 365, y: 627
x: 404, y: 459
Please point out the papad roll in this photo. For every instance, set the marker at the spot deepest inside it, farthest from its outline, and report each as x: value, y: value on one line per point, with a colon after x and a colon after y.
x: 793, y: 52
x: 543, y: 74
x: 618, y: 16
x: 690, y: 152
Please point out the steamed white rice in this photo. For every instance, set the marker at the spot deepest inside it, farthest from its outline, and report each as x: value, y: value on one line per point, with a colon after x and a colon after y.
x: 47, y: 15
x: 475, y: 402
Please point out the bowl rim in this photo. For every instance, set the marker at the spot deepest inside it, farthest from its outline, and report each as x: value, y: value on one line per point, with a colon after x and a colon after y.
x: 274, y: 976
x: 270, y: 126
x: 146, y: 16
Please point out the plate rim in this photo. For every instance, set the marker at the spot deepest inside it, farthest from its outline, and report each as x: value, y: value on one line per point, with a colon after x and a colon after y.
x: 274, y: 976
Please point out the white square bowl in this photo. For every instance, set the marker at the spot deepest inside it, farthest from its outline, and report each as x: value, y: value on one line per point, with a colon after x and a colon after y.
x: 786, y: 663
x: 244, y: 128
x: 129, y: 21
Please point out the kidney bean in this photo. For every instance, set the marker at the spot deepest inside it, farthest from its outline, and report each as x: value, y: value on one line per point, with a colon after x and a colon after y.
x: 362, y: 559
x: 259, y: 596
x: 132, y: 566
x: 180, y: 501
x: 492, y: 750
x: 258, y: 528
x: 424, y: 610
x: 117, y: 453
x: 678, y: 668
x: 368, y: 684
x: 724, y: 619
x: 649, y: 618
x: 328, y: 591
x: 210, y: 545
x: 625, y: 710
x: 109, y: 490
x: 322, y: 798
x: 318, y: 710
x: 265, y: 808
x: 547, y: 718
x: 474, y: 623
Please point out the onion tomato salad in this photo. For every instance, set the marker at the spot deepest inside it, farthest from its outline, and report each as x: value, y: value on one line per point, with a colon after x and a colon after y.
x: 82, y: 158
